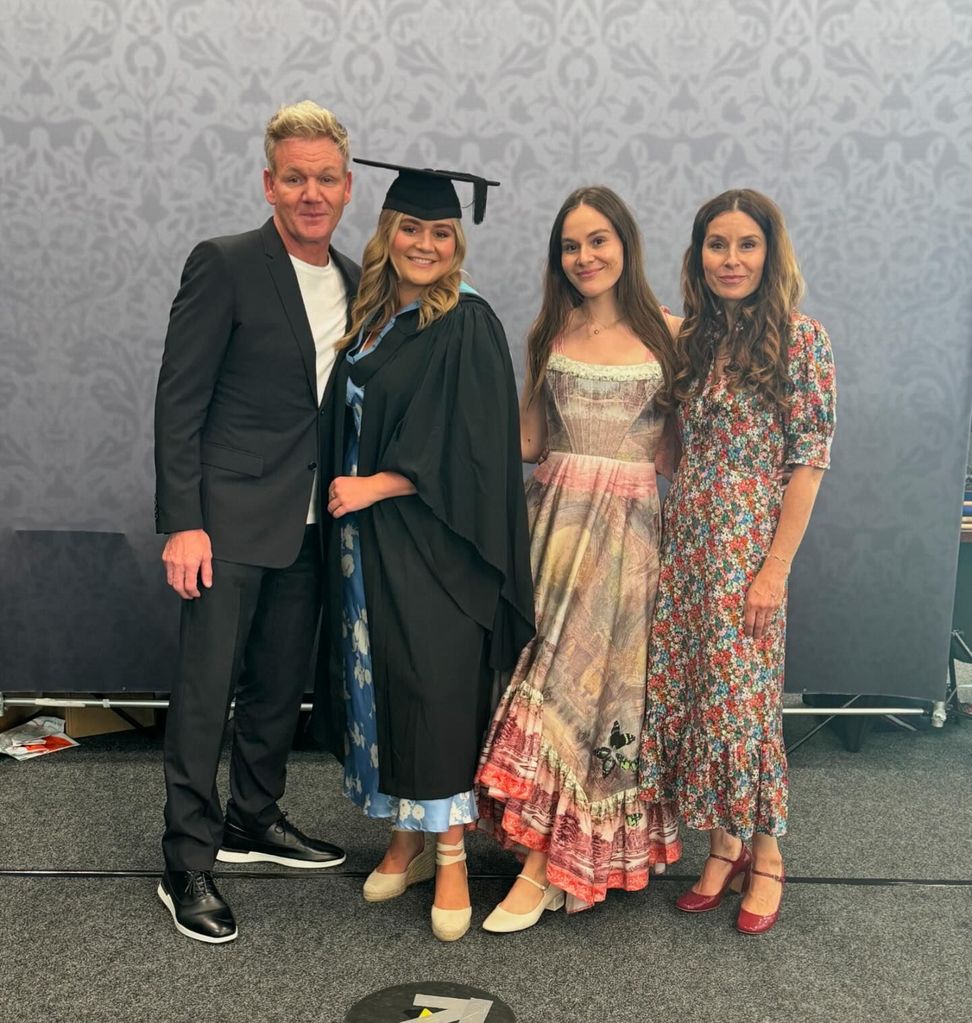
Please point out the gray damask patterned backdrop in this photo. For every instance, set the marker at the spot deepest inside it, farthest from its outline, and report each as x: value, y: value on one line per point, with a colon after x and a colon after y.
x: 131, y: 129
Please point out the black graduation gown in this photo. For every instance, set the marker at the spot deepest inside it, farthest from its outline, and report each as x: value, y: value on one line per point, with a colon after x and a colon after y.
x: 447, y: 576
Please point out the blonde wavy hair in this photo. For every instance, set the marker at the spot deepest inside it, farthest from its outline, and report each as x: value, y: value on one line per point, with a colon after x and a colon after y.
x: 758, y: 341
x: 304, y: 120
x: 377, y: 299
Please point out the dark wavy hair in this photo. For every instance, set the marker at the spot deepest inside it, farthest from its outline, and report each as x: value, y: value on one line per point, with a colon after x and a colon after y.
x: 757, y: 343
x: 637, y: 304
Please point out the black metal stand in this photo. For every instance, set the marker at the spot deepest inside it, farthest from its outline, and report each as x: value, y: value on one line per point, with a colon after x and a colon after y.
x: 856, y: 723
x: 823, y: 724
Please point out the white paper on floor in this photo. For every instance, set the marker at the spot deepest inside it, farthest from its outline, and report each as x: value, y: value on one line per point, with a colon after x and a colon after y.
x: 34, y: 738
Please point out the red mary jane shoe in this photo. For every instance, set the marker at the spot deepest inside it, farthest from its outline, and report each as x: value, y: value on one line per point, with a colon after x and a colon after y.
x: 692, y: 902
x: 759, y: 923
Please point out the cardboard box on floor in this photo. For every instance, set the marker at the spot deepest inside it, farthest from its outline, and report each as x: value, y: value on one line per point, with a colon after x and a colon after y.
x: 15, y: 715
x: 80, y: 722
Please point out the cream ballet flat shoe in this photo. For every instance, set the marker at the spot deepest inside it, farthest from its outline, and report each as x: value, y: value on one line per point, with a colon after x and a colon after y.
x: 450, y: 924
x: 502, y: 921
x: 379, y: 887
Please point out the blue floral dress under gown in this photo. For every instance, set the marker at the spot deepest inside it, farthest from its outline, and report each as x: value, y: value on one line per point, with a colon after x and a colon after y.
x: 361, y: 740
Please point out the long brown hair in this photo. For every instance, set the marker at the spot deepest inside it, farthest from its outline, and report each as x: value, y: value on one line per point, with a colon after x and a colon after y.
x: 757, y: 343
x: 377, y: 299
x: 638, y: 306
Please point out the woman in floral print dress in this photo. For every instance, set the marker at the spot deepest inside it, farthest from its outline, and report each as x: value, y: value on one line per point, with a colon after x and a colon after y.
x: 755, y: 379
x: 558, y: 778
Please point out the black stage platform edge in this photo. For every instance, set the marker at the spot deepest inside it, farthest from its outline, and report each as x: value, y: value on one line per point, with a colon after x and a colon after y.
x: 863, y: 882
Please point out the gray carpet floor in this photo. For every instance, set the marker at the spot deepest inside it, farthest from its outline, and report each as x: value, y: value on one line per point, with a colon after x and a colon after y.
x: 309, y: 947
x: 103, y: 950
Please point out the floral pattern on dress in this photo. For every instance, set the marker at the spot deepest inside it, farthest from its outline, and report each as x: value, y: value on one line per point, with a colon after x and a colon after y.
x: 559, y: 770
x: 713, y: 732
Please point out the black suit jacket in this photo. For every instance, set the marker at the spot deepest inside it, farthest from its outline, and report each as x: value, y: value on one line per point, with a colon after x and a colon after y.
x: 236, y: 410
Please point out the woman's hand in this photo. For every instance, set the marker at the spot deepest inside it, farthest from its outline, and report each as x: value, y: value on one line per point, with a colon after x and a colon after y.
x: 351, y: 494
x: 764, y: 598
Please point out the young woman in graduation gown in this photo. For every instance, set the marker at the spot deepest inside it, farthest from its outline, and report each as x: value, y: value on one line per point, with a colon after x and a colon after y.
x: 428, y: 565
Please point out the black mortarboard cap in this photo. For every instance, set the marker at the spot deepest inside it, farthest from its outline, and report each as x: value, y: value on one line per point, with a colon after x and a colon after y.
x: 429, y: 194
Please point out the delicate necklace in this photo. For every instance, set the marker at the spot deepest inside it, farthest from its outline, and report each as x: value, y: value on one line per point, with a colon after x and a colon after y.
x: 593, y: 327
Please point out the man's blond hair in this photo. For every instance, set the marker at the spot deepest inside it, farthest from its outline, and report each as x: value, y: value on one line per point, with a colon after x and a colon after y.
x: 304, y: 120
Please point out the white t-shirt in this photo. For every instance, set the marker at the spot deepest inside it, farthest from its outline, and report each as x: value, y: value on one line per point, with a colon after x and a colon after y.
x: 325, y: 301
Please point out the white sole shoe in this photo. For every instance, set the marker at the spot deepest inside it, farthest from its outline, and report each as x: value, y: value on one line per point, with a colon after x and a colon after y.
x: 380, y: 887
x: 195, y: 935
x: 230, y: 856
x: 502, y: 921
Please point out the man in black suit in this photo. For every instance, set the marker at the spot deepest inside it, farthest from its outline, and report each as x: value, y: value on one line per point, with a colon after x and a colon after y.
x: 247, y: 358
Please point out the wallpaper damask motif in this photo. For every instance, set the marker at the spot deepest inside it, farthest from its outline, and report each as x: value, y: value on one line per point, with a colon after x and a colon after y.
x: 130, y: 129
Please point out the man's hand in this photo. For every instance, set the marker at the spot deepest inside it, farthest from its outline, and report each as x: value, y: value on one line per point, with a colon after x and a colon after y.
x: 188, y: 558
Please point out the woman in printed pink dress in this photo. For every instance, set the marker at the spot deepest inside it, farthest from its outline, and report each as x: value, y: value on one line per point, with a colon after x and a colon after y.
x: 557, y: 781
x: 755, y: 383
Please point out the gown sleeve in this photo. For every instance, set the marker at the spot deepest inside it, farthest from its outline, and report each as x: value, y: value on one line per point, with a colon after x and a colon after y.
x: 459, y: 444
x: 810, y: 419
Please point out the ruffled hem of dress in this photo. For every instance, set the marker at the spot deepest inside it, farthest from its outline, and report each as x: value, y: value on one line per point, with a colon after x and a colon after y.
x: 740, y: 786
x: 534, y: 802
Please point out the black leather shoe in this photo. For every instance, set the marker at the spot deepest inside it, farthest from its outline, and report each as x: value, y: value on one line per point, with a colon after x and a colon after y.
x: 280, y: 843
x: 196, y: 906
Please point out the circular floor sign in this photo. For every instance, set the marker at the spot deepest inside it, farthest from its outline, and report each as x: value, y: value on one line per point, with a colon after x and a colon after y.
x: 432, y: 1002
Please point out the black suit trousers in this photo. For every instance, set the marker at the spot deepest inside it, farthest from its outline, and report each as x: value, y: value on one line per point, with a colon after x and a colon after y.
x: 250, y: 636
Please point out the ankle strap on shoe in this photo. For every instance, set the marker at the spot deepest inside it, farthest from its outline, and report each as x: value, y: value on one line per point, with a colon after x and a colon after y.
x: 774, y: 877
x: 446, y: 853
x: 725, y: 859
x: 536, y: 884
